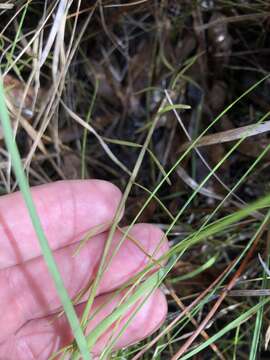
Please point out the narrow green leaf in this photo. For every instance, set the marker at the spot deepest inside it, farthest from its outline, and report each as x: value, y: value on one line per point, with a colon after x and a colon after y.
x: 255, y: 345
x: 174, y: 107
x: 242, y: 318
x: 195, y: 272
x: 142, y: 291
x: 46, y: 251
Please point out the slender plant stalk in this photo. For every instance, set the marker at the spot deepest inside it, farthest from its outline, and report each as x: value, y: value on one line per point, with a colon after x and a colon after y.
x: 85, y: 132
x: 46, y: 251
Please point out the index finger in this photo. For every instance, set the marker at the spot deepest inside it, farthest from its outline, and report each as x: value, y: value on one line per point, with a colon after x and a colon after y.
x: 67, y: 210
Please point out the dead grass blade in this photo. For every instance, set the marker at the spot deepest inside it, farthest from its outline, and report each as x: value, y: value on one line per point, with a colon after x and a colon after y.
x: 239, y: 203
x: 58, y: 20
x: 99, y: 138
x: 126, y: 4
x: 6, y: 6
x: 194, y: 185
x: 230, y: 135
x: 233, y: 19
x: 267, y: 338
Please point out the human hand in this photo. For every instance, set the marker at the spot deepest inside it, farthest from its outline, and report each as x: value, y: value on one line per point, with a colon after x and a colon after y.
x: 29, y: 328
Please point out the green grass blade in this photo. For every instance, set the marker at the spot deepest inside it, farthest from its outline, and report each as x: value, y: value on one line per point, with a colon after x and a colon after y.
x: 174, y: 107
x: 255, y: 345
x: 85, y: 132
x: 48, y: 256
x: 209, y: 263
x: 143, y: 291
x: 182, y: 157
x: 221, y: 224
x: 146, y: 288
x: 236, y: 341
x: 15, y: 41
x: 242, y: 318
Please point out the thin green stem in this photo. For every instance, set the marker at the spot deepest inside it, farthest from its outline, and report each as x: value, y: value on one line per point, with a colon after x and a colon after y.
x: 46, y: 251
